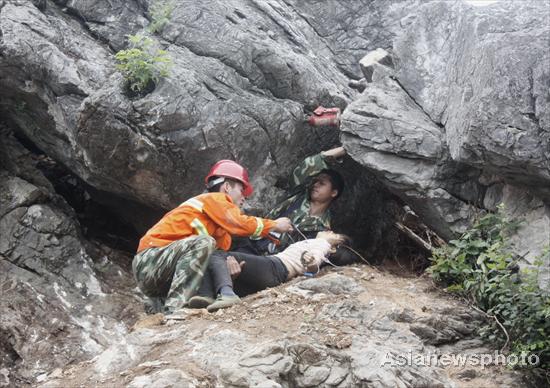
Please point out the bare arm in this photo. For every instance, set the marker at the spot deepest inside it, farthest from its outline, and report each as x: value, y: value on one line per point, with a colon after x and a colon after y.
x: 336, y: 153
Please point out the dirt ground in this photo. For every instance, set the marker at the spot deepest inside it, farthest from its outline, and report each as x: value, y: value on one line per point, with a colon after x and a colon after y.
x: 279, y: 314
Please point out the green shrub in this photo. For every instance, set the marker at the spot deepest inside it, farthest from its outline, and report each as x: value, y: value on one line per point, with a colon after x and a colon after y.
x: 481, y: 247
x: 480, y: 266
x: 141, y: 64
x: 161, y: 12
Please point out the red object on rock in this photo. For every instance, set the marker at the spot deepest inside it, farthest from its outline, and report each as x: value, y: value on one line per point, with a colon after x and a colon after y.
x: 325, y: 117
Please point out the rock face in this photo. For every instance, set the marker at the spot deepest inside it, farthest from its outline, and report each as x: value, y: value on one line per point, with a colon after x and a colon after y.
x: 483, y: 74
x: 453, y: 117
x: 58, y: 304
x: 222, y: 100
x: 466, y: 120
x: 458, y: 120
x: 242, y: 77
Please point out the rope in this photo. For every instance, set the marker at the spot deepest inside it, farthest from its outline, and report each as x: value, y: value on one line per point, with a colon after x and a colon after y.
x: 357, y: 253
x: 299, y: 231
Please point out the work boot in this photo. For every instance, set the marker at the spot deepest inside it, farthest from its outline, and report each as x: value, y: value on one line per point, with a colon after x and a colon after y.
x: 223, y: 301
x: 200, y: 302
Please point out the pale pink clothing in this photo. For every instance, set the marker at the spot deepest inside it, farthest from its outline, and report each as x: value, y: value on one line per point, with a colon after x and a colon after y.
x: 292, y: 256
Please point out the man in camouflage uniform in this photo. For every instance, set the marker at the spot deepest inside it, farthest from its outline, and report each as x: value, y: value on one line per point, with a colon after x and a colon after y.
x: 170, y: 275
x: 313, y: 189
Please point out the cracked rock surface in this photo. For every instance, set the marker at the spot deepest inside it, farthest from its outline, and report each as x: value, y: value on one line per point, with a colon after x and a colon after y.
x: 357, y: 332
x: 244, y: 74
x: 461, y: 124
x: 451, y: 116
x: 458, y: 119
x: 63, y: 299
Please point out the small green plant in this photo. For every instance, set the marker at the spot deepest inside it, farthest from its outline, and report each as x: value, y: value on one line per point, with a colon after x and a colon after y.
x: 478, y: 248
x: 142, y: 65
x: 480, y: 266
x: 161, y: 12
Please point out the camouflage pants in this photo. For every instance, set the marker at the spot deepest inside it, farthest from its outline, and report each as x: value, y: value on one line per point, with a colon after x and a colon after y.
x: 174, y: 271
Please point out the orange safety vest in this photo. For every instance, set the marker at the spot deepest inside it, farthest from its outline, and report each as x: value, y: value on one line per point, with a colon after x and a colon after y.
x: 212, y: 214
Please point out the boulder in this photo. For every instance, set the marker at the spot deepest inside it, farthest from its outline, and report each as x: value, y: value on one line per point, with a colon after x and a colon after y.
x: 459, y: 119
x: 58, y: 303
x: 375, y: 60
x: 243, y: 100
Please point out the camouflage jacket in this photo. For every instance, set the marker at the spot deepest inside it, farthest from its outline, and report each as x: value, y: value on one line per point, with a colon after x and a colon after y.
x: 297, y: 206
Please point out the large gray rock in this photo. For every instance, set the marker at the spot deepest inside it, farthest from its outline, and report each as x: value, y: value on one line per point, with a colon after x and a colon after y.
x: 387, y: 132
x: 58, y: 304
x: 483, y: 73
x: 459, y: 117
x: 67, y: 97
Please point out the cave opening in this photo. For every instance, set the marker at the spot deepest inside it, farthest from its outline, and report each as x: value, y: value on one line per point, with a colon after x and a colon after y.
x: 97, y: 219
x: 381, y: 225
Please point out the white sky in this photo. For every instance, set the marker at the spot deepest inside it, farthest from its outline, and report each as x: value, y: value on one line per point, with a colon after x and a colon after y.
x: 480, y: 3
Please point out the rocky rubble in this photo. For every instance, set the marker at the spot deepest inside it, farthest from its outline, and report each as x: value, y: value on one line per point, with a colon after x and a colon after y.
x: 352, y: 333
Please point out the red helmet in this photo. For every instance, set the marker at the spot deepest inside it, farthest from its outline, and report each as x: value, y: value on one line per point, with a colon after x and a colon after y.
x: 233, y: 170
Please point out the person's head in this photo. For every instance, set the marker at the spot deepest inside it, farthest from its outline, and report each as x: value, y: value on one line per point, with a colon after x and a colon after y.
x: 231, y: 187
x: 339, y: 254
x: 342, y: 256
x: 326, y: 186
x: 231, y: 178
x: 334, y: 239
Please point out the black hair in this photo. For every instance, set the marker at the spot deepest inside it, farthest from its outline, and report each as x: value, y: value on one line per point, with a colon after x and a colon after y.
x: 343, y: 255
x: 217, y: 186
x: 336, y: 180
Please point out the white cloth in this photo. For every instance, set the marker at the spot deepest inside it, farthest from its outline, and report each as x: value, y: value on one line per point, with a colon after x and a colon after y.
x: 291, y: 257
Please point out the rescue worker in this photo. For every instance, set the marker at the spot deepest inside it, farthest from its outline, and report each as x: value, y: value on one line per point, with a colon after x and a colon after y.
x: 173, y: 254
x: 313, y: 187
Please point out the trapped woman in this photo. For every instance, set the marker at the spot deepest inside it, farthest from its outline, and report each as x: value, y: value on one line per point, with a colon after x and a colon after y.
x: 260, y: 272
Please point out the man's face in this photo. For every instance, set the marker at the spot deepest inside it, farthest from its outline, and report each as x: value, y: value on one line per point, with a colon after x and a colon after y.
x: 322, y: 190
x: 235, y: 191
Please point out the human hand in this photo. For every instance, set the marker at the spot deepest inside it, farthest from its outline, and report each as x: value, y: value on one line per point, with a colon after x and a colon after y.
x: 307, y: 259
x: 283, y: 225
x: 337, y: 152
x: 234, y: 267
x: 332, y: 238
